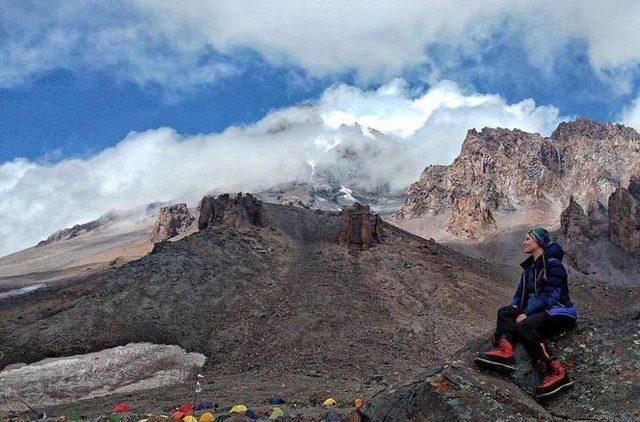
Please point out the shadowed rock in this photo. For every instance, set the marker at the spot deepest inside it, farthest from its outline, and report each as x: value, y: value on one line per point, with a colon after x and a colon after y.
x: 171, y: 221
x: 224, y: 210
x: 624, y: 217
x: 574, y: 226
x: 360, y: 227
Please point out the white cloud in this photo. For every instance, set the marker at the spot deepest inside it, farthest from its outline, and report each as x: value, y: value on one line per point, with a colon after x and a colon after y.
x: 630, y: 115
x: 405, y: 133
x: 170, y: 43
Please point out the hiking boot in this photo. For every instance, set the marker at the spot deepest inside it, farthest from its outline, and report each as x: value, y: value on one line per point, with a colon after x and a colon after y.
x: 501, y: 356
x: 554, y: 379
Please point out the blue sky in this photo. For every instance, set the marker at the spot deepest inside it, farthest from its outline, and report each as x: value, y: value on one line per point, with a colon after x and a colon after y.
x: 63, y: 114
x: 116, y: 104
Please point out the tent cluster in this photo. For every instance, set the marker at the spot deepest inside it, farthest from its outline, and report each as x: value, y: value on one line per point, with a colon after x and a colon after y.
x: 207, y: 411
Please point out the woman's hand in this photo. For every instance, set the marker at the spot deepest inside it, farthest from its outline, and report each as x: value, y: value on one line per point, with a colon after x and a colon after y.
x: 520, y: 318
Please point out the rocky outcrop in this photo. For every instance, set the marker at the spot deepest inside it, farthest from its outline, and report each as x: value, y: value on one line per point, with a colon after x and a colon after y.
x: 123, y: 369
x: 171, y: 221
x: 225, y: 210
x: 574, y: 222
x: 360, y: 227
x: 575, y: 230
x: 624, y: 217
x: 601, y: 360
x: 502, y: 170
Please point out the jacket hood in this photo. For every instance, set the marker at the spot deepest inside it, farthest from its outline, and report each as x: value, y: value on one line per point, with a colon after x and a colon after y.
x: 553, y: 250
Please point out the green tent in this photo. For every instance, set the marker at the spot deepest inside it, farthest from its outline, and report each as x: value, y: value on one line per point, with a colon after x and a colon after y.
x: 276, y: 413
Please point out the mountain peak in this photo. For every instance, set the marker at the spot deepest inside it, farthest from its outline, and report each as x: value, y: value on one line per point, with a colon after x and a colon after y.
x: 583, y: 127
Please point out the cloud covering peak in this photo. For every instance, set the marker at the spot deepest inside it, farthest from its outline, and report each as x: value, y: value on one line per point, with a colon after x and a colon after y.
x: 379, y: 139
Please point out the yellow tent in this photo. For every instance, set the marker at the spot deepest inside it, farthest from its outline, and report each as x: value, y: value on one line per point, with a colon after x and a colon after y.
x: 329, y: 402
x: 207, y: 417
x: 238, y: 408
x: 189, y: 418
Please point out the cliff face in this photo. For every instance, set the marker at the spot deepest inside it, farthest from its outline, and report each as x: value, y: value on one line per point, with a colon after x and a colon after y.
x: 624, y: 217
x: 500, y: 171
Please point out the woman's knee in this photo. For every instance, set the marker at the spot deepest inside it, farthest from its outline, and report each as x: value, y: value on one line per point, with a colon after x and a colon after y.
x: 507, y: 310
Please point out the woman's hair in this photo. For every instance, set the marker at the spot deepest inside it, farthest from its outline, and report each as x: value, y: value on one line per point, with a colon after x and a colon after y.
x: 540, y: 236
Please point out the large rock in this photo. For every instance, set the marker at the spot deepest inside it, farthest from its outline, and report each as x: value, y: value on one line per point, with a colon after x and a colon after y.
x: 601, y: 361
x: 171, y: 221
x: 360, y: 227
x: 123, y: 369
x: 624, y: 217
x: 237, y: 211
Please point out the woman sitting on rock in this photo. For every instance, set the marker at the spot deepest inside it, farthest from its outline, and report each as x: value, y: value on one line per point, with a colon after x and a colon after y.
x: 540, y: 308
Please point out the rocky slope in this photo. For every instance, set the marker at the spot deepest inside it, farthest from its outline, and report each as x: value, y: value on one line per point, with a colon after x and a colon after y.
x: 333, y: 310
x: 506, y: 178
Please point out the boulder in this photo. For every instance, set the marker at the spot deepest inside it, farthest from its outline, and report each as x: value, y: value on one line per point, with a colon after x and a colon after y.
x: 606, y: 372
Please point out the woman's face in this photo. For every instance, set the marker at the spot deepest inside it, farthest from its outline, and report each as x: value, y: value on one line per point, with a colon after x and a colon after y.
x: 528, y: 244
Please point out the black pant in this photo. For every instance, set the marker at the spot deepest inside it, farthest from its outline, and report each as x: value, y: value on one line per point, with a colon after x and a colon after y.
x: 533, y: 330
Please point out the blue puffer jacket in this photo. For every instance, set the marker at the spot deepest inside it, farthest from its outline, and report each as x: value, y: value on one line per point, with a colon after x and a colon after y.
x: 543, y: 285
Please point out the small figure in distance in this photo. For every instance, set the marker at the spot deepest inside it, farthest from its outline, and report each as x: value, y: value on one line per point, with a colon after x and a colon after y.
x: 540, y: 309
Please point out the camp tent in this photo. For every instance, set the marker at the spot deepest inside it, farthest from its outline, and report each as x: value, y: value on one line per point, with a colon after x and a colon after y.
x: 251, y: 414
x: 189, y: 418
x: 276, y: 400
x: 206, y: 404
x: 186, y: 408
x: 238, y: 408
x: 207, y: 417
x: 329, y: 402
x: 177, y: 415
x: 121, y: 408
x: 276, y: 413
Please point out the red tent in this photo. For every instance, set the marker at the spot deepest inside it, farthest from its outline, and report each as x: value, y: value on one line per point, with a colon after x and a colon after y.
x: 121, y: 408
x: 186, y: 408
